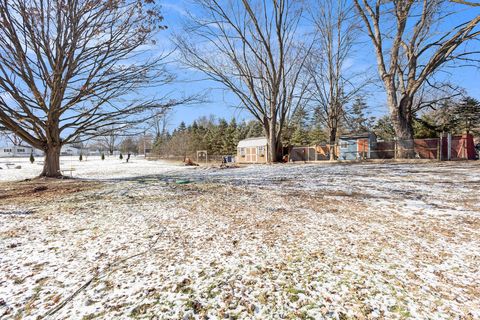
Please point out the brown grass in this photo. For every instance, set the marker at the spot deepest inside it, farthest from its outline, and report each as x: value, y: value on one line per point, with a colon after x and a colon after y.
x: 42, y: 189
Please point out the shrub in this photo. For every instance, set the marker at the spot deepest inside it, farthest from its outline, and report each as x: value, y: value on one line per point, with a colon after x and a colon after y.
x: 121, y: 156
x: 32, y: 159
x: 81, y: 157
x: 103, y: 156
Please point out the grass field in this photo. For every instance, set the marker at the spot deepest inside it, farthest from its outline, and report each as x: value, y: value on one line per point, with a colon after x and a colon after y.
x: 310, y: 241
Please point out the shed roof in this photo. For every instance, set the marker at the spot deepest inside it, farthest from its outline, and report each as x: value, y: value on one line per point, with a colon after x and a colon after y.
x: 253, y: 142
x: 357, y: 135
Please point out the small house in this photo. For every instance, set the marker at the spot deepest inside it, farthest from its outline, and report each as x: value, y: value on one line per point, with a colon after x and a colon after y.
x: 252, y: 150
x: 357, y: 146
x: 69, y: 150
x: 18, y: 151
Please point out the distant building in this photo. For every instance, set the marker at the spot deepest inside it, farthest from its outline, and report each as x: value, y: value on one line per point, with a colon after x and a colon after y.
x: 252, y: 150
x: 357, y: 146
x: 19, y: 151
x: 68, y: 150
x: 12, y: 151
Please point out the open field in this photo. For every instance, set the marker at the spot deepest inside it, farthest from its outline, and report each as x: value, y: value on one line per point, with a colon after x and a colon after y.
x: 356, y: 241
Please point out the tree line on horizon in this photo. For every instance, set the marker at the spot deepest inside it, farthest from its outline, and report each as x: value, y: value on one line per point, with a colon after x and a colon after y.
x: 77, y: 70
x: 218, y: 136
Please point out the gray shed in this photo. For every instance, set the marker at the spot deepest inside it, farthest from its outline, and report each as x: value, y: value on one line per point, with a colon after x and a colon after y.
x: 357, y: 146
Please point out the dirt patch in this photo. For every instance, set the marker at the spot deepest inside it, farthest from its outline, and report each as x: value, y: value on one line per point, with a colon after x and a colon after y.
x: 43, y: 189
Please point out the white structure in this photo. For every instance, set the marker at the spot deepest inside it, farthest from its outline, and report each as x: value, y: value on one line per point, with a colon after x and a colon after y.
x: 68, y: 150
x: 8, y: 151
x: 252, y: 150
x: 19, y: 151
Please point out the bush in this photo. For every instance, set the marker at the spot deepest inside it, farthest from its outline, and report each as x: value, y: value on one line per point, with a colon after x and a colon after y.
x: 32, y: 159
x: 121, y: 156
x: 81, y: 157
x: 103, y: 156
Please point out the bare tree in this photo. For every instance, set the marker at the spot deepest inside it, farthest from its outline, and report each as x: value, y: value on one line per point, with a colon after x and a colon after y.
x: 129, y: 145
x: 252, y: 48
x: 71, y: 68
x: 158, y: 122
x: 332, y: 84
x: 9, y: 136
x: 421, y: 43
x: 109, y: 140
x: 468, y: 3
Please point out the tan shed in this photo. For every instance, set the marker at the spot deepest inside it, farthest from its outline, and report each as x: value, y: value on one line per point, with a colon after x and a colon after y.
x: 252, y: 150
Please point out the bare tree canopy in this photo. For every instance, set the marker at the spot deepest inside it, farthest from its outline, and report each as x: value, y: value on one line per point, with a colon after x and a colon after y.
x: 468, y: 3
x: 9, y: 136
x: 412, y: 41
x: 332, y: 85
x: 252, y: 48
x: 71, y: 68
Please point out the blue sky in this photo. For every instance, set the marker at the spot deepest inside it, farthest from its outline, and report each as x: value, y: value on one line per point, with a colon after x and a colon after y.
x: 222, y: 104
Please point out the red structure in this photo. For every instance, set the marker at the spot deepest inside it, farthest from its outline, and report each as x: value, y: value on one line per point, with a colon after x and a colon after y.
x: 461, y: 147
x: 448, y: 147
x: 427, y: 148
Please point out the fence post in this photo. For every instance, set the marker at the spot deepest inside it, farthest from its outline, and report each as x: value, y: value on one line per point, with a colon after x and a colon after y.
x: 449, y: 145
x: 439, y: 148
x: 395, y: 148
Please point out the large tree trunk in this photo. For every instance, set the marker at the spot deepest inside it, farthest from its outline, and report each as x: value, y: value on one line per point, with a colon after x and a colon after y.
x: 272, y: 142
x: 51, y: 166
x: 332, y: 142
x: 402, y: 123
x: 274, y: 147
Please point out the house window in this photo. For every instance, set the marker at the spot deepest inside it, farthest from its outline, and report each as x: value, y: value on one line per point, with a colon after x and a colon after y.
x: 242, y: 152
x: 261, y: 151
x: 344, y: 145
x: 7, y: 150
x: 20, y: 150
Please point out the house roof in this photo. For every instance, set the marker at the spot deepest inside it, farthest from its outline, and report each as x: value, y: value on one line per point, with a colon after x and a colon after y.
x: 67, y: 146
x: 253, y: 142
x: 357, y: 135
x: 11, y: 146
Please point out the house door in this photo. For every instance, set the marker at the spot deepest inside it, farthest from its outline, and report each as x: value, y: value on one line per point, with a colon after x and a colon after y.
x: 362, y: 147
x: 251, y: 155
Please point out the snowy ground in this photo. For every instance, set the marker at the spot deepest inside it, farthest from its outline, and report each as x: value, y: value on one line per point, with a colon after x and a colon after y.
x: 354, y: 241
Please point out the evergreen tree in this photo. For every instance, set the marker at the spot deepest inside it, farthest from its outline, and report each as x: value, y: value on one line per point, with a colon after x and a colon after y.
x: 194, y: 126
x: 318, y: 132
x: 182, y: 127
x: 359, y: 121
x: 298, y: 129
x: 451, y: 116
x: 32, y: 159
x: 300, y: 137
x: 254, y: 129
x: 241, y: 132
x: 383, y: 128
x: 221, y: 138
x: 466, y: 116
x: 425, y: 127
x: 230, y: 140
x: 317, y: 135
x: 210, y: 140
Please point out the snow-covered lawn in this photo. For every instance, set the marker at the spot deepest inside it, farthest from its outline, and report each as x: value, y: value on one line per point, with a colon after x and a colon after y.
x: 354, y: 241
x: 92, y: 168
